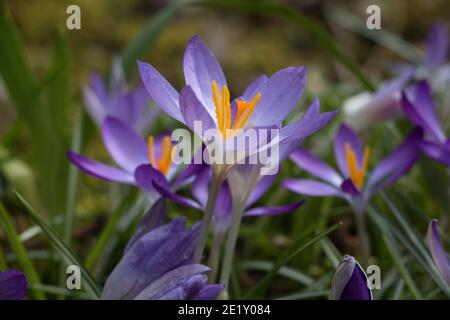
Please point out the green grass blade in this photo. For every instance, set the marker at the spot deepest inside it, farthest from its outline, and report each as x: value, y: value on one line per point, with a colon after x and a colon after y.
x: 19, y: 249
x: 265, y: 281
x: 139, y: 45
x: 87, y: 281
x: 316, y: 32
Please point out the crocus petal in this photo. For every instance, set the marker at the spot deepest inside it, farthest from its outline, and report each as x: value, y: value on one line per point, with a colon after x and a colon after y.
x: 253, y: 88
x: 438, y: 252
x: 260, y: 188
x: 279, y: 95
x: 438, y: 45
x: 438, y: 152
x: 349, y: 187
x: 124, y: 144
x: 145, y: 175
x: 178, y: 284
x: 190, y: 171
x: 397, y: 163
x: 13, y: 285
x: 200, y: 69
x: 93, y: 105
x: 315, y: 166
x: 100, y: 170
x: 273, y: 211
x: 209, y: 292
x: 200, y: 186
x: 346, y: 135
x: 350, y: 281
x: 311, y: 187
x: 161, y: 91
x: 193, y: 110
x: 165, y: 191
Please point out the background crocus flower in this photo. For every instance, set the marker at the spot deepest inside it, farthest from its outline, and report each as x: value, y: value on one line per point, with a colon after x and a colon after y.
x: 421, y: 111
x: 157, y: 263
x: 350, y: 281
x: 13, y: 285
x: 437, y: 250
x: 140, y: 162
x: 352, y: 158
x: 130, y: 106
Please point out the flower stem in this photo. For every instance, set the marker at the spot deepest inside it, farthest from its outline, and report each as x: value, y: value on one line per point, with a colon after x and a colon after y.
x: 214, y: 256
x: 238, y: 211
x: 362, y: 238
x: 207, y: 218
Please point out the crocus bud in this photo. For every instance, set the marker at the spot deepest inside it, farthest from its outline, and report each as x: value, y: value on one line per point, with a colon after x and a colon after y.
x: 350, y: 281
x: 438, y: 252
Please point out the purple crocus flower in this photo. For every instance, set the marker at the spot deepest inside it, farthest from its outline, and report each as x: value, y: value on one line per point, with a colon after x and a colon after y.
x: 438, y: 252
x: 13, y: 285
x: 130, y: 106
x: 140, y: 162
x: 224, y: 204
x: 206, y: 98
x: 350, y: 281
x: 421, y: 111
x: 352, y: 158
x: 156, y: 264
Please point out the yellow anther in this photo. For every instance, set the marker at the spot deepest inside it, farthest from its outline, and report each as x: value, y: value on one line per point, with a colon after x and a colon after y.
x: 151, y: 150
x: 165, y: 158
x: 357, y: 174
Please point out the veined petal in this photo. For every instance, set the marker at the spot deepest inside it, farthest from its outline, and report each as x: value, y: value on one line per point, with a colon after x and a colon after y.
x: 192, y: 110
x: 200, y: 69
x: 315, y: 166
x: 438, y: 252
x: 397, y: 162
x: 160, y: 90
x: 279, y: 95
x: 13, y: 285
x: 311, y: 187
x: 253, y: 88
x: 274, y: 210
x: 438, y: 152
x: 346, y: 135
x: 124, y: 144
x: 100, y: 170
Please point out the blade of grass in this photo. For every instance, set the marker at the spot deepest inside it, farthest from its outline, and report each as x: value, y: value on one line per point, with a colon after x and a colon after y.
x: 316, y: 32
x: 88, y: 281
x: 265, y: 281
x: 20, y: 251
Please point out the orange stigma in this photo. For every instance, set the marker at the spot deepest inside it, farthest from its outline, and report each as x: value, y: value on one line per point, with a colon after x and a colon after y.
x: 221, y: 100
x: 357, y: 174
x: 165, y: 158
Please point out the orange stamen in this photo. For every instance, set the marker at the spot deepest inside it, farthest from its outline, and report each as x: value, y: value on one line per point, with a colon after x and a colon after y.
x: 165, y: 159
x: 357, y: 174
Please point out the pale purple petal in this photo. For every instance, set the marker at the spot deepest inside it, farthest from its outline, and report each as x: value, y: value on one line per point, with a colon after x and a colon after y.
x: 438, y: 152
x: 346, y: 135
x: 193, y: 110
x: 438, y: 252
x: 279, y: 95
x: 311, y: 187
x: 438, y: 45
x: 161, y: 91
x: 260, y: 188
x: 100, y: 170
x: 189, y: 172
x: 222, y: 210
x: 13, y: 285
x: 315, y: 166
x: 397, y: 162
x: 200, y: 186
x: 209, y: 292
x: 165, y: 191
x: 124, y: 144
x: 253, y: 88
x: 200, y: 69
x: 274, y: 210
x: 350, y: 281
x: 93, y: 105
x: 145, y: 175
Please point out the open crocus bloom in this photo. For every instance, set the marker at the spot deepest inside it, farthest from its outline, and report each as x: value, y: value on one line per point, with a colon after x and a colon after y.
x: 130, y: 106
x: 206, y: 99
x: 140, y: 162
x: 13, y: 285
x: 350, y: 281
x: 156, y: 264
x: 438, y: 252
x: 224, y: 204
x: 421, y: 111
x: 352, y: 158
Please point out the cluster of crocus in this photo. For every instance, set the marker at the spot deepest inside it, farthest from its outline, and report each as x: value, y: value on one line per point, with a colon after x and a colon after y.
x: 13, y: 285
x: 420, y: 109
x: 157, y: 263
x: 350, y: 281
